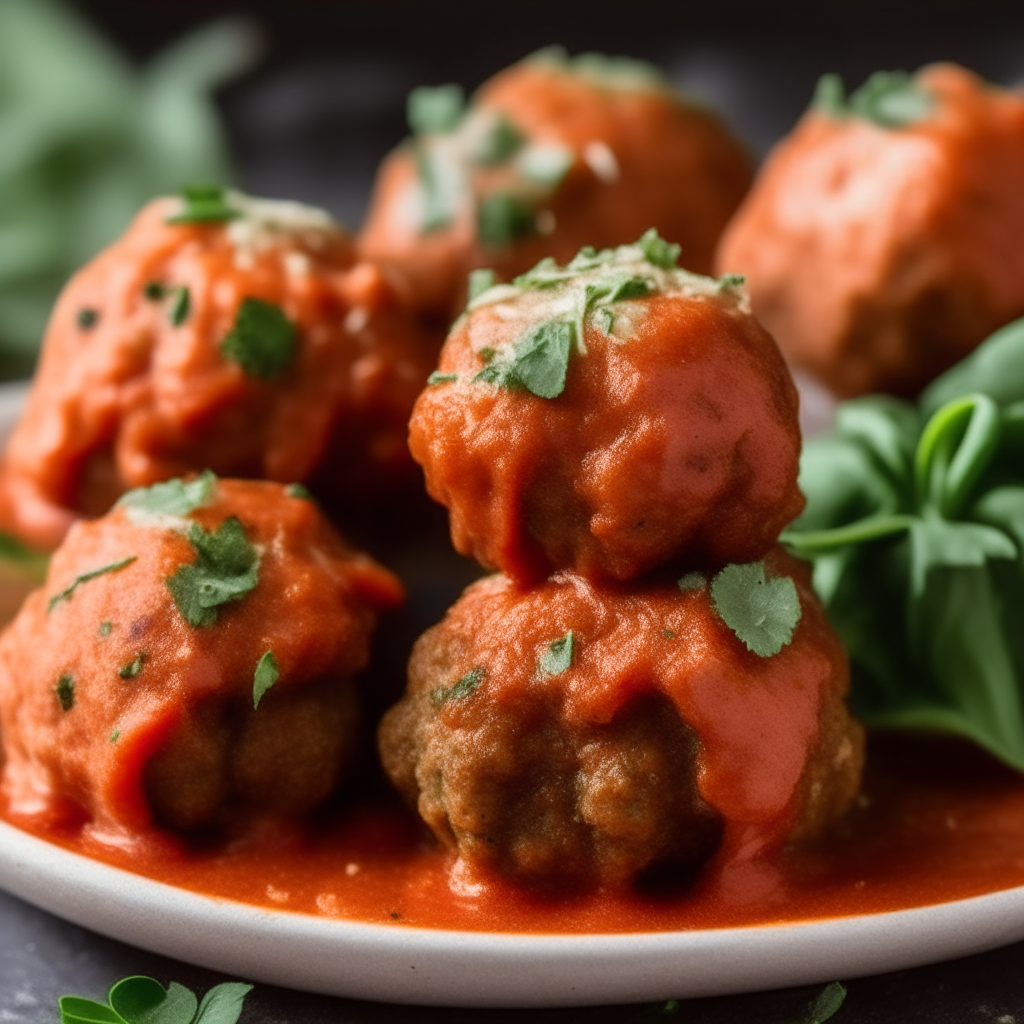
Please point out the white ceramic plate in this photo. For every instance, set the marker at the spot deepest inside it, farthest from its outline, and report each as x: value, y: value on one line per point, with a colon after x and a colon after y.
x: 417, y: 965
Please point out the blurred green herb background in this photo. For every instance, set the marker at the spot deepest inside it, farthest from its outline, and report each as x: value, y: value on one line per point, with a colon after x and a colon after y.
x: 86, y: 138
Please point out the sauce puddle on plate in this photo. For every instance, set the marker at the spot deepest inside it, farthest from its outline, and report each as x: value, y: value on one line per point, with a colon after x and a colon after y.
x: 937, y: 821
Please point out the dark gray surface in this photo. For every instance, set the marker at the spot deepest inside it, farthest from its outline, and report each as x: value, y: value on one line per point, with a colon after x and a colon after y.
x: 314, y: 130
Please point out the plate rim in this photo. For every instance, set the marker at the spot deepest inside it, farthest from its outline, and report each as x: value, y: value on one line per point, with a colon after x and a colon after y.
x: 442, y: 967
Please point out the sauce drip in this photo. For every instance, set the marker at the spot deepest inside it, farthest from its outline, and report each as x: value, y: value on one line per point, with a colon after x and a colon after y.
x: 938, y: 821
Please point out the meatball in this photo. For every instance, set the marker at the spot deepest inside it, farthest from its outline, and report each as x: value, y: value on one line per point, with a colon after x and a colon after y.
x: 609, y: 417
x: 189, y: 662
x: 576, y: 734
x: 552, y: 153
x: 227, y: 333
x: 881, y: 239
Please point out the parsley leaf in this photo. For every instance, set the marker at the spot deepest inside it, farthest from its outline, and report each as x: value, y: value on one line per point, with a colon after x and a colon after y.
x: 435, y: 109
x: 299, y: 491
x: 889, y: 99
x: 154, y: 290
x: 692, y: 581
x: 545, y: 164
x: 142, y: 1000
x: 825, y: 1007
x: 65, y: 690
x: 460, y: 690
x: 480, y: 281
x: 226, y: 570
x: 262, y: 341
x: 442, y: 378
x: 65, y: 594
x: 502, y: 218
x: 762, y: 612
x: 204, y: 203
x: 87, y: 319
x: 539, y: 361
x: 558, y: 657
x: 175, y: 497
x: 181, y: 307
x: 500, y: 141
x: 105, y: 628
x: 267, y: 673
x: 133, y: 668
x: 657, y: 251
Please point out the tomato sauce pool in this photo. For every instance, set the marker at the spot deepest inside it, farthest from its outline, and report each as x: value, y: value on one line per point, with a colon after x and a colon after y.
x: 937, y: 821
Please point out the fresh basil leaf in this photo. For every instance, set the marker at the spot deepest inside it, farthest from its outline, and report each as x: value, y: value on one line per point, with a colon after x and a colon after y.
x: 558, y: 656
x: 263, y: 340
x: 223, y: 1003
x: 995, y: 368
x: 227, y: 568
x: 175, y: 497
x: 503, y: 218
x: 435, y: 110
x: 657, y: 251
x: 75, y: 1010
x: 65, y: 690
x: 763, y: 612
x: 204, y: 204
x: 65, y: 594
x: 827, y: 1005
x: 938, y: 542
x: 1003, y: 508
x: 267, y: 673
x: 886, y: 427
x: 465, y: 687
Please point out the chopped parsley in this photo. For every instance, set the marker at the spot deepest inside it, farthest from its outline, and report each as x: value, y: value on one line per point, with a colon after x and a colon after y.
x: 502, y: 218
x: 434, y: 110
x: 657, y: 251
x: 87, y: 318
x: 299, y: 491
x: 154, y: 290
x: 115, y: 735
x: 889, y: 99
x: 668, y: 634
x: 204, y: 203
x: 181, y: 306
x: 501, y: 141
x: 141, y: 1000
x: 105, y: 628
x: 267, y: 673
x: 65, y: 690
x: 545, y: 164
x: 480, y: 281
x: 692, y: 581
x: 459, y: 690
x: 442, y: 378
x: 133, y: 668
x: 762, y: 612
x: 558, y: 657
x: 175, y: 497
x: 226, y: 569
x: 538, y: 362
x: 65, y: 594
x: 262, y: 341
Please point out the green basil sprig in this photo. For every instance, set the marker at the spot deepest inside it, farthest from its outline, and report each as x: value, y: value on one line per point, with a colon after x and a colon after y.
x: 915, y: 525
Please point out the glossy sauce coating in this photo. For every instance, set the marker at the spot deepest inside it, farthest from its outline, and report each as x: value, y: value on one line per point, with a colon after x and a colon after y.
x: 777, y: 754
x: 85, y: 753
x: 641, y: 157
x: 878, y: 257
x: 677, y: 441
x: 937, y: 822
x: 132, y: 397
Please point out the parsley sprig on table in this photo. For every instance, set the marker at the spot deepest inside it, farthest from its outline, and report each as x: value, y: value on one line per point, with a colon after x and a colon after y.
x: 142, y: 1000
x: 915, y: 525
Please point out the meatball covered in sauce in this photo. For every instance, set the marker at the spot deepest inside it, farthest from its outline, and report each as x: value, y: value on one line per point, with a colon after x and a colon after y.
x: 576, y: 734
x: 610, y: 416
x: 551, y: 154
x: 189, y: 662
x: 219, y: 332
x: 881, y: 239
